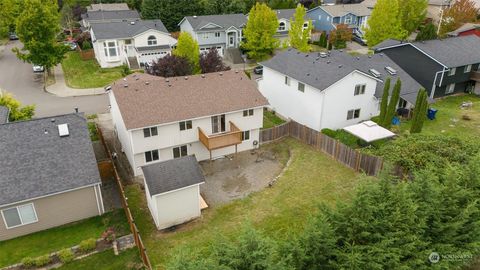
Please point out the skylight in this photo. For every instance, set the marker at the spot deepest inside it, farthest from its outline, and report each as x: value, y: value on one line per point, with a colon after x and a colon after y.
x: 391, y: 70
x: 375, y: 73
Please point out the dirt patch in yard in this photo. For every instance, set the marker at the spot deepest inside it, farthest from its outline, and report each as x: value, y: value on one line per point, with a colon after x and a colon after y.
x: 234, y: 177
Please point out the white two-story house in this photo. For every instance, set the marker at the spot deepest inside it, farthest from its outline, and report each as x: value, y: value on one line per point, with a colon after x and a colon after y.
x: 215, y: 31
x: 208, y: 115
x: 331, y: 90
x: 130, y: 42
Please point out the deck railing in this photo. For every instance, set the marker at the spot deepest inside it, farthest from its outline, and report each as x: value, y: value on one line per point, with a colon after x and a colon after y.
x: 216, y: 141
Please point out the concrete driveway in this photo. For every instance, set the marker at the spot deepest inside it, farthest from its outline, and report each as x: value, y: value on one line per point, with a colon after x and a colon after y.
x: 18, y: 78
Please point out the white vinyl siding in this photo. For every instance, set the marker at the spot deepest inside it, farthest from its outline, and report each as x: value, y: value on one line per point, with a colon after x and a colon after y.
x: 19, y: 215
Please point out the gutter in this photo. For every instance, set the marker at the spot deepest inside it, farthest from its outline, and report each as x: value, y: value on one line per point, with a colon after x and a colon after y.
x: 434, y: 86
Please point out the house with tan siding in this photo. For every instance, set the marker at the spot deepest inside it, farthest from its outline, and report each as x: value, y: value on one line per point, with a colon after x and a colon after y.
x: 48, y: 175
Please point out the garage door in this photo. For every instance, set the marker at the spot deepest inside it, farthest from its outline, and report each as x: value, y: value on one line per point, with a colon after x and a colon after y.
x: 148, y: 57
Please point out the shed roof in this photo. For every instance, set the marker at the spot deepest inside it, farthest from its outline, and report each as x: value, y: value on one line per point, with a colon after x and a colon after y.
x: 172, y: 175
x: 321, y: 73
x: 4, y: 112
x: 151, y: 100
x: 127, y: 29
x: 369, y: 131
x: 35, y: 161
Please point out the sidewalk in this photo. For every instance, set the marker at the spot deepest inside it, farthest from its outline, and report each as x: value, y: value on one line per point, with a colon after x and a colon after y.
x: 60, y: 88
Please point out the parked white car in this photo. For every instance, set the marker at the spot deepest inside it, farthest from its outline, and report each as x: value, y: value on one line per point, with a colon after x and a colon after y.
x: 38, y: 68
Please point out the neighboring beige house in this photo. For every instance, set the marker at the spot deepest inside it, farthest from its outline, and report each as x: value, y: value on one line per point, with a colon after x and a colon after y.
x: 48, y: 175
x: 172, y: 189
x: 209, y: 116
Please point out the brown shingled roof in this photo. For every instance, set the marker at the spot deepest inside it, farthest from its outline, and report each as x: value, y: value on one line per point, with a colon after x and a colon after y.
x: 150, y: 100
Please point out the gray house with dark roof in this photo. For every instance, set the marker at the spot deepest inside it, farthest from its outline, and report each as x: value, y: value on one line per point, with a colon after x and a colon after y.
x: 102, y: 15
x: 172, y: 189
x: 331, y: 90
x: 134, y: 43
x: 48, y: 175
x: 443, y: 66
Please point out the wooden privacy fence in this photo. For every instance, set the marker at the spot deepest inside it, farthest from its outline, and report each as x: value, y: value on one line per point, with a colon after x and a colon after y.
x: 128, y: 213
x: 352, y: 158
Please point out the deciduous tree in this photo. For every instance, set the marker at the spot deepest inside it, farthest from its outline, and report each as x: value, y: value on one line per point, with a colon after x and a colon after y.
x: 412, y: 14
x: 9, y: 10
x: 462, y: 11
x: 427, y: 32
x: 297, y: 34
x: 17, y: 111
x: 261, y: 26
x: 188, y: 48
x: 212, y: 62
x: 170, y: 66
x: 384, y: 23
x: 339, y: 36
x: 37, y: 28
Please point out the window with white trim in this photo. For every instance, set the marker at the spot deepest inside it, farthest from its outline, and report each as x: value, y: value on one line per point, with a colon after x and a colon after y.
x: 467, y: 69
x: 19, y: 215
x: 180, y: 151
x: 353, y: 114
x: 110, y: 49
x: 450, y: 88
x: 287, y: 80
x: 246, y: 135
x: 359, y: 89
x: 319, y: 17
x: 301, y: 87
x: 248, y: 113
x: 184, y: 125
x: 281, y: 26
x: 148, y: 132
x: 151, y: 41
x: 452, y: 71
x: 305, y: 25
x: 348, y: 20
x: 151, y: 156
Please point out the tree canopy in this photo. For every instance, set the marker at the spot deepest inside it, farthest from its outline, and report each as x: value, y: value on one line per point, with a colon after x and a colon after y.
x: 211, y: 61
x: 297, y: 34
x: 462, y: 11
x: 171, y: 12
x: 339, y: 36
x: 412, y: 13
x: 259, y: 32
x: 9, y: 10
x: 17, y: 111
x: 427, y: 32
x: 37, y: 28
x: 384, y: 23
x: 170, y: 66
x: 188, y: 48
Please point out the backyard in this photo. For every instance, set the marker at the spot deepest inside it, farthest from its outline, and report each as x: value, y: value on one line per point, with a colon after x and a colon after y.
x: 311, y: 178
x: 44, y: 242
x: 106, y: 260
x: 87, y: 73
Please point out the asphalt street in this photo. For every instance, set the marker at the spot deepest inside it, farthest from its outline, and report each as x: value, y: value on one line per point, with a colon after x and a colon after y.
x: 18, y: 78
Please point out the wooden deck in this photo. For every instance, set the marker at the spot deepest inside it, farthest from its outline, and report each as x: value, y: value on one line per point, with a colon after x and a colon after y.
x: 203, y: 204
x: 475, y: 76
x: 216, y: 141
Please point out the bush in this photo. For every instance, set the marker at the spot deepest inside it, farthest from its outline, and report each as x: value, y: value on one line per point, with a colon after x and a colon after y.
x: 42, y: 260
x: 87, y: 245
x: 66, y: 255
x: 92, y: 129
x: 125, y: 70
x: 28, y: 262
x: 86, y: 45
x: 344, y: 137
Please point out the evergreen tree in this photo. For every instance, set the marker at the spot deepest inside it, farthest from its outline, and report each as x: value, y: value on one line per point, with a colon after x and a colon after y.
x: 420, y: 112
x: 188, y: 48
x: 171, y: 12
x: 384, y: 102
x: 384, y: 23
x: 297, y: 34
x: 412, y: 14
x: 392, y: 105
x: 259, y: 32
x: 427, y: 32
x: 323, y: 40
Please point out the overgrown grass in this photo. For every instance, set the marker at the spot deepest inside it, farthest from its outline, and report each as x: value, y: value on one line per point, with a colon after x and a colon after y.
x: 279, y: 211
x: 92, y: 129
x: 449, y: 119
x: 106, y: 260
x: 44, y: 242
x: 270, y: 119
x: 87, y: 74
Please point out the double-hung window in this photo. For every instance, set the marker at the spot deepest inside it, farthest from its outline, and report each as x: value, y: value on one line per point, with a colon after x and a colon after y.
x: 151, y: 156
x: 359, y: 89
x: 467, y: 69
x: 217, y: 34
x: 301, y: 87
x: 248, y: 113
x: 184, y: 125
x: 450, y: 88
x: 452, y: 71
x: 148, y: 132
x: 287, y: 80
x: 180, y: 151
x: 19, y: 215
x: 353, y: 114
x: 246, y: 135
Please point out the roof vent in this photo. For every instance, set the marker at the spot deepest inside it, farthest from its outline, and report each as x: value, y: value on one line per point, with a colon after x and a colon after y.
x: 186, y: 78
x: 108, y: 88
x: 308, y: 74
x: 203, y: 76
x: 328, y: 62
x: 340, y: 50
x: 52, y: 120
x: 167, y: 79
x: 136, y: 79
x: 340, y: 66
x: 323, y: 54
x: 63, y: 130
x: 306, y: 55
x: 375, y: 73
x: 358, y: 58
x: 45, y: 131
x: 391, y: 70
x: 195, y: 16
x: 236, y: 71
x: 169, y: 85
x: 221, y: 73
x: 318, y: 58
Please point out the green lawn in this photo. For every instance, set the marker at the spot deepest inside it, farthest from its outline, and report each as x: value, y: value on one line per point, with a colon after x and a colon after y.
x: 44, y: 242
x: 311, y: 179
x: 449, y: 117
x: 270, y: 120
x: 106, y: 260
x: 87, y: 74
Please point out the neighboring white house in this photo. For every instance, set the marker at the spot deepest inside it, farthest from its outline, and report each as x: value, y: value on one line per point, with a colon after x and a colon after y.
x: 172, y: 189
x: 208, y: 115
x: 215, y: 31
x: 130, y: 42
x: 332, y: 90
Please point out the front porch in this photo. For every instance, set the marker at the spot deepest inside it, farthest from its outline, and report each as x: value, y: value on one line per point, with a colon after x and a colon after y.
x: 225, y: 139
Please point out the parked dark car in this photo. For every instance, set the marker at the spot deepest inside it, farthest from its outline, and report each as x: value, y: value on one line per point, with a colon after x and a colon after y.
x: 258, y: 70
x: 359, y: 40
x: 13, y: 36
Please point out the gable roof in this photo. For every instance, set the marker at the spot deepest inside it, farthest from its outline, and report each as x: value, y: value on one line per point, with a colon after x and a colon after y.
x: 464, y: 28
x: 4, y: 112
x: 224, y: 21
x: 285, y: 13
x: 450, y: 52
x: 106, y: 15
x: 111, y: 6
x: 151, y: 100
x: 172, y: 174
x: 342, y: 10
x: 35, y: 163
x: 321, y: 73
x: 119, y: 30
